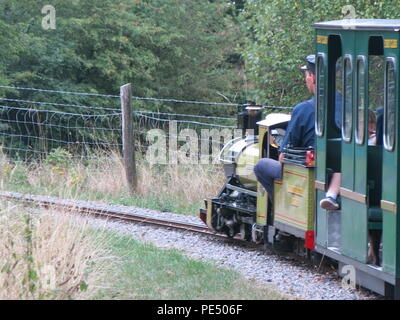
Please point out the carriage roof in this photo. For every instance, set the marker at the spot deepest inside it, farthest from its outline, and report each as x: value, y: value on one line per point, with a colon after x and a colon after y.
x: 360, y: 24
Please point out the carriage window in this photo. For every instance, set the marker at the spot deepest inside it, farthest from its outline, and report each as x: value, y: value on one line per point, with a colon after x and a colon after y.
x: 376, y: 66
x: 320, y: 117
x: 390, y: 104
x: 376, y: 83
x: 347, y: 98
x: 360, y: 121
x: 339, y: 93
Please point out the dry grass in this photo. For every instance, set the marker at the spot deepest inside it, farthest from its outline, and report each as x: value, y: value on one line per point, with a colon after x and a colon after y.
x: 103, y: 178
x: 47, y: 255
x: 186, y: 184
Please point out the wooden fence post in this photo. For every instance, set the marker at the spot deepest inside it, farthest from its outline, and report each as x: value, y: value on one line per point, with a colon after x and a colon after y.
x: 128, y: 142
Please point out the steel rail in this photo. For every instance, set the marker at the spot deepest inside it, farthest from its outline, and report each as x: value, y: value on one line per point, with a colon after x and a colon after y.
x: 93, y: 209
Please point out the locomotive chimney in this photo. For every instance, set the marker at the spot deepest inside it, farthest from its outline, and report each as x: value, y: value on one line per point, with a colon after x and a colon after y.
x: 248, y: 118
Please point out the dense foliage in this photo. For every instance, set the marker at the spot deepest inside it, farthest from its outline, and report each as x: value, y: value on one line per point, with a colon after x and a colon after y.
x: 185, y: 49
x: 280, y: 36
x: 166, y: 48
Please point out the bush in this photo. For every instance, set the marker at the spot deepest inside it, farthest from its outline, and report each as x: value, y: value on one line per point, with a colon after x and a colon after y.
x: 59, y: 158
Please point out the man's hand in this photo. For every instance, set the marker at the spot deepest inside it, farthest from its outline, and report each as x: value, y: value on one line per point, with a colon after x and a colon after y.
x: 281, y: 157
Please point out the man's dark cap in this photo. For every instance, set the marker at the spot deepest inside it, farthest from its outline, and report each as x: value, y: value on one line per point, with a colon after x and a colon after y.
x: 310, y: 66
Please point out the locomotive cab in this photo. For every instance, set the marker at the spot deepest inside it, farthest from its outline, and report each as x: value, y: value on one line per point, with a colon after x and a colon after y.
x: 294, y: 204
x: 272, y: 131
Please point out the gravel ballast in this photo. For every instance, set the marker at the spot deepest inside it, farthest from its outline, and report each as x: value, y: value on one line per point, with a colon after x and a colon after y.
x: 290, y: 276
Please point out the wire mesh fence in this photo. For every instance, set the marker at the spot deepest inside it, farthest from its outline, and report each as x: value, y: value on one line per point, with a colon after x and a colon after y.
x: 38, y: 125
x: 29, y: 132
x: 33, y: 122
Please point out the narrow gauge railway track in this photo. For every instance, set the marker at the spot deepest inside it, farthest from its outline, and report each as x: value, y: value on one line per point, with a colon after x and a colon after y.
x: 99, y: 210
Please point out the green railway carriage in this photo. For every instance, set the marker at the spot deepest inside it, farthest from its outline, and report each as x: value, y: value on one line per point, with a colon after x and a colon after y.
x: 357, y: 63
x: 367, y: 53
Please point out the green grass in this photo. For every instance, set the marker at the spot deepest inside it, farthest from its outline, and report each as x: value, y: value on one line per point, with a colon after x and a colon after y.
x: 155, y: 201
x: 147, y: 272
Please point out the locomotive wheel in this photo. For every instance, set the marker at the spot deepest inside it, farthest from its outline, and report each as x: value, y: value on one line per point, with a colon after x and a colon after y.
x: 245, y: 232
x: 230, y: 232
x: 283, y: 243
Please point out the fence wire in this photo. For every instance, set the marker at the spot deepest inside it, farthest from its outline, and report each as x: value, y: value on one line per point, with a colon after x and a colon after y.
x: 34, y: 122
x: 28, y: 132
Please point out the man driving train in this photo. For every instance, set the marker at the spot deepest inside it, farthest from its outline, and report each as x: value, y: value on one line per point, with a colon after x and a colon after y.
x: 300, y: 132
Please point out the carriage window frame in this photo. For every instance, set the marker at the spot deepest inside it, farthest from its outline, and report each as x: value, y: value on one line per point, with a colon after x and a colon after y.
x: 347, y: 113
x: 361, y: 95
x: 321, y: 95
x: 389, y: 132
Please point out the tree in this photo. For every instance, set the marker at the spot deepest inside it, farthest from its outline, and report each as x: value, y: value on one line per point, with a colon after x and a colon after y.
x: 8, y: 51
x: 167, y: 48
x: 280, y: 36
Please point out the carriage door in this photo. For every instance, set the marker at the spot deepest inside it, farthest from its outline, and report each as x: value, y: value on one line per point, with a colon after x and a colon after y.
x: 361, y: 188
x: 390, y: 201
x: 354, y: 154
x: 328, y: 136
